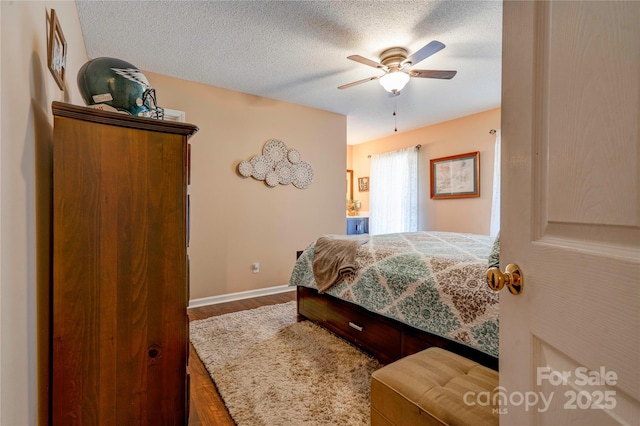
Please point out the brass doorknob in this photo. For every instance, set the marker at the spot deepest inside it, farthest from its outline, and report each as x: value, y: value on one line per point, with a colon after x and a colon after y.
x: 512, y: 278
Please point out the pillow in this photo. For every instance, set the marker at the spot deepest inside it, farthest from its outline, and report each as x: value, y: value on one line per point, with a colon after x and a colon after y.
x: 494, y: 256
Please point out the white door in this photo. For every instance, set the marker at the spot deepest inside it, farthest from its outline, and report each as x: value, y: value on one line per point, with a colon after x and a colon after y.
x: 570, y: 343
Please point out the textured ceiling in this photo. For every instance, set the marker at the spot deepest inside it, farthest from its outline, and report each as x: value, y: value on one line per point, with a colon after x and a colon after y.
x: 296, y: 51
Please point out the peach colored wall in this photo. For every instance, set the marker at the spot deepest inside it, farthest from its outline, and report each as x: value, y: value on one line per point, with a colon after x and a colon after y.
x: 27, y: 90
x: 238, y: 221
x: 459, y: 136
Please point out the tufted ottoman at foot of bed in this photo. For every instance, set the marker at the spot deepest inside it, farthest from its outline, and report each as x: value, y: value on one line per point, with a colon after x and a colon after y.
x: 433, y: 387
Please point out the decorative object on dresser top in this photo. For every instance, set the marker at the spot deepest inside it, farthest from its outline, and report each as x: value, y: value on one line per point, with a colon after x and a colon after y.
x: 352, y: 207
x: 272, y: 370
x: 434, y: 282
x: 111, y: 84
x: 277, y: 165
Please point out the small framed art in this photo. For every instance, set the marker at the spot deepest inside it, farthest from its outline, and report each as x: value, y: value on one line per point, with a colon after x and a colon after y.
x: 57, y: 50
x: 457, y: 176
x: 363, y: 184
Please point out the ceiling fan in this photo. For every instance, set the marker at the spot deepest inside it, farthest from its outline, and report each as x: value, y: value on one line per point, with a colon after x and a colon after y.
x: 397, y: 67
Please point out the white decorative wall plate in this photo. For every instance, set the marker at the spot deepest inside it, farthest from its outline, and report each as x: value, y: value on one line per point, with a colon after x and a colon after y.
x: 302, y: 175
x: 278, y: 165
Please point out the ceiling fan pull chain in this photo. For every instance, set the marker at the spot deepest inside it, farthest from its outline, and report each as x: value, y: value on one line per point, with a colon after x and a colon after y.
x: 395, y: 116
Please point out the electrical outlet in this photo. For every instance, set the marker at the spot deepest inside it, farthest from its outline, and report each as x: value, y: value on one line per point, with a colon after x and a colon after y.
x: 256, y: 268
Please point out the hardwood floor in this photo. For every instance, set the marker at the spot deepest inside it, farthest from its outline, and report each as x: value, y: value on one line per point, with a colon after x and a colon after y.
x: 206, y: 406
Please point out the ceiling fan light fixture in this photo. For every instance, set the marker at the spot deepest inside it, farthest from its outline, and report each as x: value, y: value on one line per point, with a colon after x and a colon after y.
x: 397, y: 65
x: 394, y: 81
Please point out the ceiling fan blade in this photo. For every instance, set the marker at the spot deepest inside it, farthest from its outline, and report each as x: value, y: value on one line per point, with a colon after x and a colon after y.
x: 447, y: 75
x: 364, y: 80
x: 424, y: 53
x: 366, y: 61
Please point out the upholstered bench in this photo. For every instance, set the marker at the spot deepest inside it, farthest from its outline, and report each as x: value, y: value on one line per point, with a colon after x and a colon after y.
x: 433, y: 387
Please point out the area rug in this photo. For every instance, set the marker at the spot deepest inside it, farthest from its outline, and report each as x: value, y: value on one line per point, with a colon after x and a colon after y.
x: 271, y: 370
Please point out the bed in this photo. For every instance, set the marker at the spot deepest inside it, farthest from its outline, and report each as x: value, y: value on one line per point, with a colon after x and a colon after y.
x: 406, y: 292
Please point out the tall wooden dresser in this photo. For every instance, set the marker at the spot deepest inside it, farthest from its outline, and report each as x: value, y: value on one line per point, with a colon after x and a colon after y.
x: 119, y: 328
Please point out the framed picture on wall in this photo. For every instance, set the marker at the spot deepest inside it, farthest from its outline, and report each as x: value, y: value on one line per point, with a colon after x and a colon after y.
x: 457, y: 176
x: 363, y: 184
x: 57, y: 50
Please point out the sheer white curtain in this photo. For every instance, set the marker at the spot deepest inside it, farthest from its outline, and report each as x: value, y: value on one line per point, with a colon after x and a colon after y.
x: 393, y: 197
x: 495, y: 203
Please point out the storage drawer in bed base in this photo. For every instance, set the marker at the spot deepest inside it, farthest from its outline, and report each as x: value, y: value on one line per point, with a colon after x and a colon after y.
x: 380, y: 338
x: 386, y: 339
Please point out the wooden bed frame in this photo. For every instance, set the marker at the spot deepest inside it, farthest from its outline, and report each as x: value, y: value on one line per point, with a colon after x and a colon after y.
x: 386, y: 339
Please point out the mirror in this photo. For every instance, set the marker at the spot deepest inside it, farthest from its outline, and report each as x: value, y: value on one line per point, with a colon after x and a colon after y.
x: 349, y: 184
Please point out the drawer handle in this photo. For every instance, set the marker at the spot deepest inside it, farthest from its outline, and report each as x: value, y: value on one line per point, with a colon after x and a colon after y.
x: 356, y: 326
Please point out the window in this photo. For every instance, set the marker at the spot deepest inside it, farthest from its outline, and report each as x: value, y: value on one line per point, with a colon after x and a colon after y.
x: 394, y: 192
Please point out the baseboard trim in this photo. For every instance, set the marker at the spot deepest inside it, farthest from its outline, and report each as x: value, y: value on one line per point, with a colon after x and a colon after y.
x: 213, y: 300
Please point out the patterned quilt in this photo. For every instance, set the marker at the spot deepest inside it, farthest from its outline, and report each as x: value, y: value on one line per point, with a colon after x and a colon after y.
x: 434, y: 281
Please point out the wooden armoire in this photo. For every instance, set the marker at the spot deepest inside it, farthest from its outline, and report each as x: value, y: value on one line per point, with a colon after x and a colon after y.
x: 120, y: 287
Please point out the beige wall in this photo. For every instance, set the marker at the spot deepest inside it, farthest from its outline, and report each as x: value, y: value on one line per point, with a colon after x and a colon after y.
x: 27, y: 91
x: 238, y: 221
x: 459, y: 136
